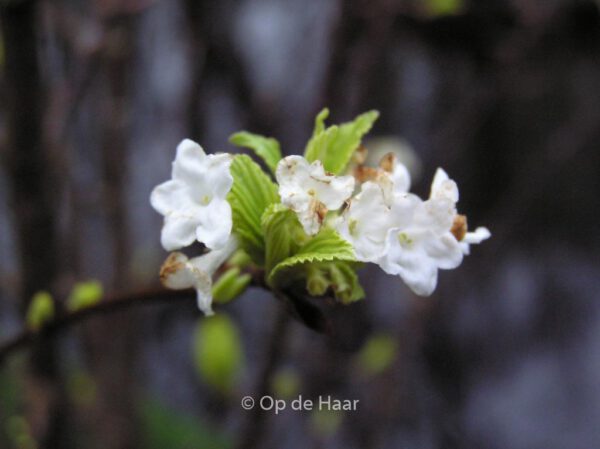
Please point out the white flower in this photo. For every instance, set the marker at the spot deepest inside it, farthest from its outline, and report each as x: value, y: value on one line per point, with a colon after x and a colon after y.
x: 178, y: 272
x: 365, y: 222
x: 431, y: 236
x: 420, y: 241
x: 194, y: 201
x: 416, y: 253
x: 309, y: 191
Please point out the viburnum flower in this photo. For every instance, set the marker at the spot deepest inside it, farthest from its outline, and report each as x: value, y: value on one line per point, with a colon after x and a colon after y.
x: 431, y: 237
x: 311, y: 192
x: 178, y: 272
x: 364, y: 223
x: 380, y: 205
x: 194, y: 201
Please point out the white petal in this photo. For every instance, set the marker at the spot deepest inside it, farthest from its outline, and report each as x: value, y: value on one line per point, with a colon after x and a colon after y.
x: 218, y: 176
x: 365, y: 223
x: 476, y: 237
x: 436, y: 214
x: 400, y: 178
x: 404, y: 208
x: 169, y: 196
x: 211, y: 261
x: 214, y: 224
x: 175, y: 273
x: 444, y: 250
x: 443, y: 187
x: 178, y: 272
x: 292, y: 171
x: 179, y: 230
x: 331, y: 190
x: 189, y: 161
x: 411, y: 262
x: 479, y: 235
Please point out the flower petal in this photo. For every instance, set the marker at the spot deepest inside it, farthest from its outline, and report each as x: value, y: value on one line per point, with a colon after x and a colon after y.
x: 400, y: 177
x: 189, y: 162
x: 443, y: 187
x: 411, y: 262
x: 364, y: 224
x: 178, y: 231
x: 178, y: 272
x: 479, y: 235
x: 214, y: 224
x: 444, y: 250
x: 331, y: 190
x: 169, y: 196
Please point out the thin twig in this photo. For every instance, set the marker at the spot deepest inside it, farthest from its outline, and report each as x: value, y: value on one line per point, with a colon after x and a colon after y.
x: 107, y: 305
x: 253, y: 428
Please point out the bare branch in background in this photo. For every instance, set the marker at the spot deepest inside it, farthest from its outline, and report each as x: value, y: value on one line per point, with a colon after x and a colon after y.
x: 31, y: 177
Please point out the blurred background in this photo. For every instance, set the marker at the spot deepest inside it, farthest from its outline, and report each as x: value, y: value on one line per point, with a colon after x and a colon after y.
x: 504, y: 94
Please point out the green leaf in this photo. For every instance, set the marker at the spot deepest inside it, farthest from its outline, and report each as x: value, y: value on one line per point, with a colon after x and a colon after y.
x: 84, y: 294
x: 327, y: 245
x: 265, y: 147
x: 320, y: 121
x: 283, y: 233
x: 230, y: 285
x: 252, y: 192
x: 377, y: 354
x: 240, y: 259
x: 40, y: 311
x: 218, y: 353
x: 338, y: 276
x: 335, y: 145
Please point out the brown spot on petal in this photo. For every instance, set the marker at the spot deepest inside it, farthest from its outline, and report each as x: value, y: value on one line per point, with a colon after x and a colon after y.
x: 320, y: 210
x: 364, y: 174
x: 172, y: 265
x: 387, y: 162
x: 459, y: 227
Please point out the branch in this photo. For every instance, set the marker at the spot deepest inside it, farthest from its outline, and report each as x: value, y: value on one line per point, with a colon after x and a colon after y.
x: 253, y: 427
x: 109, y: 304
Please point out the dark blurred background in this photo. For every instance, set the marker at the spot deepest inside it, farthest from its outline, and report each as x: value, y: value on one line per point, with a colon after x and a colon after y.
x: 504, y: 94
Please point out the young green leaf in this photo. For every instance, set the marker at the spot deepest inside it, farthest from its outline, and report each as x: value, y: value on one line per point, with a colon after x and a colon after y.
x: 252, y: 192
x: 327, y: 245
x: 283, y: 234
x: 320, y: 121
x: 338, y: 276
x: 40, y: 311
x: 218, y: 353
x: 335, y: 145
x: 265, y: 147
x: 84, y: 294
x: 230, y: 285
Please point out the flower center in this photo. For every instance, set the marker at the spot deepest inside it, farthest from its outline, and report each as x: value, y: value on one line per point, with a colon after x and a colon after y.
x: 404, y: 239
x: 205, y: 199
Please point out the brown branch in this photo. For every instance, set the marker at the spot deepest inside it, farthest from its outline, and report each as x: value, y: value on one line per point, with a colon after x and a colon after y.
x: 109, y: 304
x: 253, y: 428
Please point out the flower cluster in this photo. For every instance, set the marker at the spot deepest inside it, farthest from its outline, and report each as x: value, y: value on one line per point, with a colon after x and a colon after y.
x: 326, y: 212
